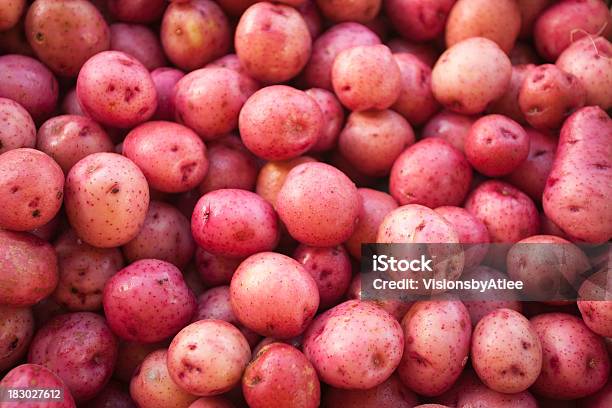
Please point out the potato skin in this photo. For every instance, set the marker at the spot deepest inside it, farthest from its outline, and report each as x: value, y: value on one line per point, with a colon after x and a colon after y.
x: 136, y: 11
x: 18, y: 128
x: 471, y: 232
x: 272, y: 175
x: 360, y: 11
x: 112, y: 395
x: 595, y: 303
x: 508, y: 104
x: 582, y: 209
x: 418, y: 20
x: 10, y: 12
x: 212, y: 402
x: 138, y: 41
x: 390, y: 394
x: 333, y: 118
x: 450, y: 126
x: 24, y: 375
x: 16, y: 331
x: 215, y: 270
x: 165, y: 79
x: 480, y: 396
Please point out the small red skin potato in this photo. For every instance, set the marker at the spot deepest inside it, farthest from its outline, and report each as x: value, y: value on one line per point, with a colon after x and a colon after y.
x: 285, y: 293
x: 148, y: 301
x: 130, y: 356
x: 273, y: 174
x: 496, y: 145
x: 33, y: 375
x: 333, y: 118
x: 212, y: 402
x: 575, y: 360
x: 282, y: 376
x: 137, y: 11
x: 32, y: 187
x: 390, y: 394
x: 480, y: 396
x: 355, y: 345
x: 395, y: 308
x: 418, y: 20
x: 231, y: 61
x: 312, y: 16
x: 80, y: 349
x: 508, y: 104
x: 70, y: 104
x: 29, y: 83
x: 152, y: 387
x: 65, y: 34
x: 318, y: 204
x: 16, y: 331
x: 595, y: 303
x: 113, y: 395
x: 69, y: 138
x: 372, y: 140
x: 601, y: 399
x: 471, y: 74
x: 10, y: 12
x: 165, y: 79
x: 578, y: 189
x: 450, y: 126
x: 138, y: 41
x: 360, y: 11
x: 530, y: 11
x: 432, y: 173
x: 567, y: 21
x: 215, y: 270
x: 366, y: 77
x: 272, y: 42
x: 18, y: 128
x: 107, y: 198
x: 425, y: 52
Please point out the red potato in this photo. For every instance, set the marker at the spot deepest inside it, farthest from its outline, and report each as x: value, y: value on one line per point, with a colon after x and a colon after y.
x: 280, y: 122
x: 148, y: 301
x: 212, y: 402
x: 137, y: 11
x: 32, y: 187
x: 547, y: 227
x: 69, y: 138
x: 138, y: 41
x: 425, y: 52
x: 432, y: 173
x: 28, y: 375
x: 480, y: 308
x: 480, y: 396
x: 107, y: 197
x: 129, y: 356
x: 14, y: 41
x: 71, y: 105
x: 318, y: 204
x: 530, y: 11
x: 366, y: 77
x: 234, y: 223
x: 164, y: 80
x: 419, y: 20
x: 575, y: 360
x: 285, y: 293
x: 16, y: 331
x: 312, y: 16
x: 390, y: 394
x: 18, y: 128
x: 508, y: 104
x: 595, y: 302
x: 10, y: 12
x: 360, y: 11
x: 523, y: 54
x: 272, y: 176
x: 80, y: 349
x: 601, y: 399
x: 471, y: 74
x: 449, y: 126
x: 280, y: 375
x: 272, y: 42
x: 582, y: 209
x: 372, y: 140
x: 215, y: 270
x: 231, y: 61
x: 114, y: 396
x: 471, y: 231
x: 333, y: 118
x: 395, y: 308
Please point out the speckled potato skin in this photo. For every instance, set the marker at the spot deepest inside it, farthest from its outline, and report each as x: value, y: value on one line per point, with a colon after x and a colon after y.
x: 16, y: 331
x: 431, y: 173
x: 69, y: 138
x: 366, y: 77
x: 231, y: 61
x: 272, y: 175
x: 354, y: 345
x: 137, y: 11
x: 215, y: 270
x: 333, y: 118
x: 152, y: 386
x: 148, y: 301
x: 29, y: 83
x: 471, y: 232
x: 18, y: 128
x: 360, y: 11
x: 450, y: 126
x: 328, y: 45
x: 471, y: 74
x: 208, y: 357
x: 10, y: 12
x: 280, y: 375
x: 138, y: 41
x: 480, y: 396
x: 80, y: 349
x: 575, y: 360
x: 107, y: 198
x: 114, y: 396
x: 130, y: 356
x: 30, y: 375
x: 400, y: 226
x: 165, y: 79
x: 390, y: 394
x: 318, y: 204
x: 70, y: 104
x: 395, y: 308
x: 234, y: 223
x: 426, y: 53
x: 577, y: 192
x: 212, y: 402
x: 372, y: 140
x: 32, y: 188
x: 115, y: 89
x: 508, y: 104
x: 418, y: 20
x: 272, y: 42
x: 280, y: 122
x: 595, y: 303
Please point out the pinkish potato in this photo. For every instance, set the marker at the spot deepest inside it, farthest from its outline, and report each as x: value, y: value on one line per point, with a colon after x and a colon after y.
x: 130, y: 355
x: 360, y: 11
x: 480, y: 308
x: 215, y: 270
x: 285, y: 293
x: 272, y: 176
x: 395, y: 308
x: 65, y: 34
x: 312, y: 17
x: 419, y: 20
x: 496, y: 145
x: 601, y: 399
x: 509, y: 214
x: 548, y: 95
x: 113, y: 396
x: 212, y: 402
x: 432, y: 173
x: 530, y: 11
x: 471, y: 74
x: 471, y: 231
x: 372, y: 140
x: 508, y: 104
x: 547, y: 227
x: 523, y: 54
x: 32, y: 187
x: 138, y: 41
x: 333, y: 118
x: 595, y: 302
x: 10, y: 12
x: 137, y: 11
x: 272, y: 42
x: 80, y: 349
x: 18, y: 128
x: 230, y: 165
x: 530, y: 176
x: 480, y: 396
x: 148, y: 301
x: 567, y: 21
x: 29, y: 83
x: 231, y: 61
x: 69, y: 138
x: 280, y: 375
x: 208, y: 357
x: 575, y: 360
x: 390, y: 394
x: 354, y: 345
x: 16, y: 331
x: 33, y: 375
x: 70, y: 104
x: 425, y: 52
x: 107, y: 197
x: 331, y: 269
x: 234, y: 223
x: 14, y: 41
x: 590, y: 60
x: 366, y: 77
x: 318, y: 204
x: 165, y: 79
x: 577, y: 192
x: 152, y: 386
x: 326, y: 48
x: 449, y: 126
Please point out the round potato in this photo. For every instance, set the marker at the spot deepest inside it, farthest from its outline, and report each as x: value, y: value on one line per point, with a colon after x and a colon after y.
x: 138, y: 41
x: 18, y: 128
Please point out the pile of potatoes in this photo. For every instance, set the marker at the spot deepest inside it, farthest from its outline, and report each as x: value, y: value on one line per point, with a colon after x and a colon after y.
x: 185, y: 187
